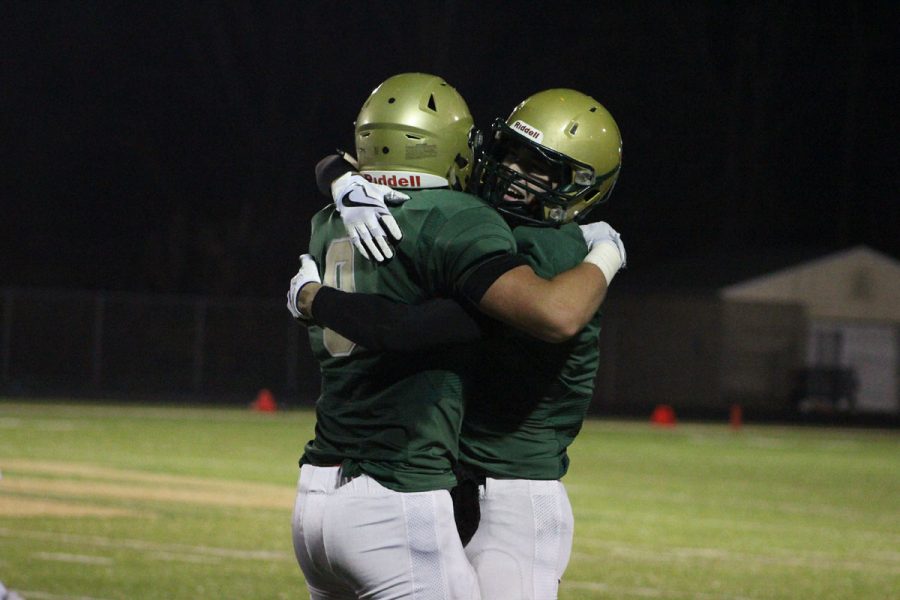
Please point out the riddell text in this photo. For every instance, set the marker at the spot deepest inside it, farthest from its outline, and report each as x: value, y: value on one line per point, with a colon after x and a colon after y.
x: 394, y: 181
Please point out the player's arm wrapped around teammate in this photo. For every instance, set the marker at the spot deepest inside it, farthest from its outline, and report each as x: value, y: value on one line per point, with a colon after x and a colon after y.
x: 362, y: 205
x: 377, y: 323
x: 330, y: 168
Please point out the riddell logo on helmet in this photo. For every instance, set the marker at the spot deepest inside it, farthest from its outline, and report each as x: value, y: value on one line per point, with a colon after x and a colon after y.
x: 528, y: 131
x: 411, y: 181
x: 406, y: 179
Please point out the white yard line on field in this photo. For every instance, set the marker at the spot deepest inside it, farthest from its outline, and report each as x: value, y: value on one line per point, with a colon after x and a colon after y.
x: 643, y: 592
x: 185, y: 558
x: 144, y: 545
x: 838, y: 527
x: 745, y: 502
x: 787, y: 558
x: 73, y: 558
x: 39, y: 595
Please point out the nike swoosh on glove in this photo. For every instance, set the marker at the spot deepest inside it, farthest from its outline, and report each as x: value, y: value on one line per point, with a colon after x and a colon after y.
x: 363, y: 209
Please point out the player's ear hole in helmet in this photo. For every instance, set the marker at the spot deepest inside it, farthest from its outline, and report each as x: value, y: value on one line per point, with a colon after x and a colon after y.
x: 416, y: 128
x: 568, y: 150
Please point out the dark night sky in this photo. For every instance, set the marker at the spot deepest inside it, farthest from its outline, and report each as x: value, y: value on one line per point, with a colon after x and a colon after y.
x: 170, y: 147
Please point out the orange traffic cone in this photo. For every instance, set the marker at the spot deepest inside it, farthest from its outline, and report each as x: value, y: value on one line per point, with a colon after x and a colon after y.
x: 265, y: 401
x: 663, y: 416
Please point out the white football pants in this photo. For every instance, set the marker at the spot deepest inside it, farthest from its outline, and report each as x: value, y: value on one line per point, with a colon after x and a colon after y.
x: 524, y: 539
x: 357, y: 539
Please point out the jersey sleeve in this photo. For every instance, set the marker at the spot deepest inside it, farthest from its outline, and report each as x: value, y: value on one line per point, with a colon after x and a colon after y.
x: 551, y: 250
x: 462, y: 243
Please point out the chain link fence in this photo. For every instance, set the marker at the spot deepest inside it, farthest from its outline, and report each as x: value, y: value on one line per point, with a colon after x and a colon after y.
x: 78, y: 343
x: 696, y: 353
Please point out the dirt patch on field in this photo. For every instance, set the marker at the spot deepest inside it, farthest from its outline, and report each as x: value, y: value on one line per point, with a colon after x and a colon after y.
x: 213, y: 494
x: 13, y: 506
x: 68, y: 481
x: 69, y: 469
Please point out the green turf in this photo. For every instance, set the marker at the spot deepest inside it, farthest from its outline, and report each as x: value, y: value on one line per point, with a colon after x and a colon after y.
x: 195, y: 503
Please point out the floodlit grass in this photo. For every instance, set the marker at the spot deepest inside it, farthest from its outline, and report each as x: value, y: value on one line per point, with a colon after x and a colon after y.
x: 127, y: 502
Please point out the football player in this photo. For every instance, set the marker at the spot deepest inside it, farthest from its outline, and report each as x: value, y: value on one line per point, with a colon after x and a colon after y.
x: 373, y: 516
x: 555, y: 158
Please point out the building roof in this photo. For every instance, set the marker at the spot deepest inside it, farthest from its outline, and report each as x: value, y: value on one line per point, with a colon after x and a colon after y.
x: 857, y: 283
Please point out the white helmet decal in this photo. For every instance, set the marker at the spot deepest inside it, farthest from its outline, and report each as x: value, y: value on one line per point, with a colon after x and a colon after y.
x: 405, y: 179
x: 532, y: 133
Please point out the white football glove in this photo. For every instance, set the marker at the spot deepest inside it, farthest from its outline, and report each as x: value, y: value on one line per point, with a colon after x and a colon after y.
x: 363, y: 209
x: 308, y: 273
x: 605, y: 248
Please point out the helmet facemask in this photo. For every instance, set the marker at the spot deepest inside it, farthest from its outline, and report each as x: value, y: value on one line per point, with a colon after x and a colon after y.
x: 532, y: 184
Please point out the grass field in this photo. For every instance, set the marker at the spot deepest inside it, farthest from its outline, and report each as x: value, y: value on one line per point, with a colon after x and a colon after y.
x: 124, y: 502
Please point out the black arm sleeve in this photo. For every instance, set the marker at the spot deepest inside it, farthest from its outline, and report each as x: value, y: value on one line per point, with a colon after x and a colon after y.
x: 381, y: 324
x: 330, y: 168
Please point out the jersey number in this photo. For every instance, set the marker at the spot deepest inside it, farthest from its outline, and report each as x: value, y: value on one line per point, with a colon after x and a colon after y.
x: 339, y: 275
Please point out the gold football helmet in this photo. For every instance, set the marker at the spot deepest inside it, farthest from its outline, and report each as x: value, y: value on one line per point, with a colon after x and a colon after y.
x: 567, y: 153
x: 413, y: 131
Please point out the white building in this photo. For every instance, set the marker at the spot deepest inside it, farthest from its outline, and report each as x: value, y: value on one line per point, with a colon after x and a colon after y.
x: 852, y: 304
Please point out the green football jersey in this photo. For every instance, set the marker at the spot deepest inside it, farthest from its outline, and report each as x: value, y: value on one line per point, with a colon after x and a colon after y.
x: 532, y: 396
x: 396, y: 417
